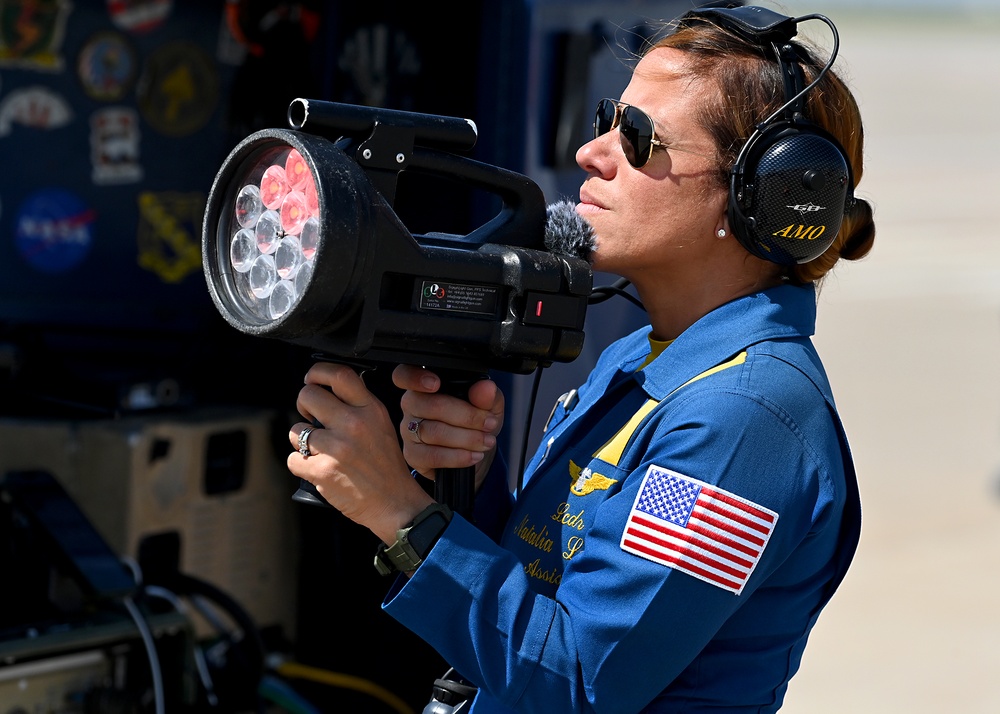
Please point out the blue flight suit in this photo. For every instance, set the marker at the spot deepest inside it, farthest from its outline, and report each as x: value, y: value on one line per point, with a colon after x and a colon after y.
x: 569, y: 613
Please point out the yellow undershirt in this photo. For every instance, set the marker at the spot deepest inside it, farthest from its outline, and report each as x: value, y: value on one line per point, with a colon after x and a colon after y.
x: 656, y: 348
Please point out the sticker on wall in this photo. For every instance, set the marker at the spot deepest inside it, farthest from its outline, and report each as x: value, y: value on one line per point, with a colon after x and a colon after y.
x: 373, y: 56
x: 114, y: 146
x: 139, y: 16
x: 170, y: 234
x: 31, y: 33
x: 54, y: 230
x: 107, y: 67
x: 178, y: 89
x: 34, y: 107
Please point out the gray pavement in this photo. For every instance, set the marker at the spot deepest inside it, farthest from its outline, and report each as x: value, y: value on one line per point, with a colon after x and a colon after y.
x: 910, y: 337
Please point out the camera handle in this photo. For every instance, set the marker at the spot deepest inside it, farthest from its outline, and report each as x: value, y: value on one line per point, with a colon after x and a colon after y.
x: 454, y: 487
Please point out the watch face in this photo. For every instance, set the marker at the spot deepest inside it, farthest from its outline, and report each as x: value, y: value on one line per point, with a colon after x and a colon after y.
x: 414, y: 542
x: 423, y: 535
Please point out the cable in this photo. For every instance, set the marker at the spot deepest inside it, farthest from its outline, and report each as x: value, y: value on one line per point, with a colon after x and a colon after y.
x: 154, y: 661
x: 826, y: 68
x: 146, y: 634
x: 527, y: 429
x: 203, y: 606
x: 606, y: 292
x: 281, y: 693
x: 202, y: 595
x: 295, y: 670
x: 597, y: 295
x: 201, y: 665
x: 194, y: 587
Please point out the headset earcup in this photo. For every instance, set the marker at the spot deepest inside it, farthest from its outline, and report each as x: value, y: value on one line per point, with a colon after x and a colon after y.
x: 789, y: 192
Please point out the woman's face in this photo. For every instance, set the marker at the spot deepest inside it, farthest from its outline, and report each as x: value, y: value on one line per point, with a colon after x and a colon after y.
x: 663, y: 217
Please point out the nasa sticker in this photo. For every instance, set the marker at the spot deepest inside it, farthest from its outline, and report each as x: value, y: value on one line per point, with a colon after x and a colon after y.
x: 107, y: 67
x: 54, y: 230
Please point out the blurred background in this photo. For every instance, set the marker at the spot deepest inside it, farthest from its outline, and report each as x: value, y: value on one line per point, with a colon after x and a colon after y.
x: 164, y: 430
x: 909, y: 337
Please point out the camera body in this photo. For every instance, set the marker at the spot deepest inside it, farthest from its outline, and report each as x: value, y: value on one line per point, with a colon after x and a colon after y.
x: 494, y: 298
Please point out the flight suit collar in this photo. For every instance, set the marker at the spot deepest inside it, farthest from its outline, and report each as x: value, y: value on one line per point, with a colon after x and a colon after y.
x: 784, y: 312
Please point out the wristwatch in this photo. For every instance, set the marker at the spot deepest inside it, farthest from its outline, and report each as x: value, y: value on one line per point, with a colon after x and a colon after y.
x: 413, y: 541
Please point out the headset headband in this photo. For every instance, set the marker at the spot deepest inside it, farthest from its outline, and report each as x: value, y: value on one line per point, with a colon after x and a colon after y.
x: 772, y: 32
x: 755, y: 24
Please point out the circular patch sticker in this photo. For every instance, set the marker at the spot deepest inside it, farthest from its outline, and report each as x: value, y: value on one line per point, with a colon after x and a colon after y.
x: 139, y: 16
x: 107, y: 67
x: 178, y: 89
x: 54, y: 230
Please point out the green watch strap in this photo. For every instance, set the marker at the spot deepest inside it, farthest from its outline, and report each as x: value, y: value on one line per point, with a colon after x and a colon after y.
x: 414, y: 541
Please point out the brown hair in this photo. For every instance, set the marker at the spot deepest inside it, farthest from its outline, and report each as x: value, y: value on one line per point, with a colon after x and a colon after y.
x: 750, y: 90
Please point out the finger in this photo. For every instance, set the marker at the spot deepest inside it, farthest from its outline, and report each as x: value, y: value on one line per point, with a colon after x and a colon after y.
x: 436, y: 433
x: 409, y: 430
x: 446, y: 409
x: 418, y: 379
x: 317, y: 404
x: 342, y: 380
x: 486, y: 395
x: 309, y: 442
x: 426, y: 458
x: 483, y: 394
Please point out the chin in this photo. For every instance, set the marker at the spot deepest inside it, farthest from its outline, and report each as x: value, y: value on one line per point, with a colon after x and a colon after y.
x: 603, y: 262
x: 594, y: 252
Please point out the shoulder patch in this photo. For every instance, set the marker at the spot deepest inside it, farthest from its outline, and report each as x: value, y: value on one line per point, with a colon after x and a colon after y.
x: 698, y: 529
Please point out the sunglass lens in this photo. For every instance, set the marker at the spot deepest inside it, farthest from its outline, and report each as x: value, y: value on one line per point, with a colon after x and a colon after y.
x: 604, y: 120
x: 636, y: 130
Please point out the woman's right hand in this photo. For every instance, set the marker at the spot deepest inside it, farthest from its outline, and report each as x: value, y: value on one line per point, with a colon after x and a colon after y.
x: 450, y: 432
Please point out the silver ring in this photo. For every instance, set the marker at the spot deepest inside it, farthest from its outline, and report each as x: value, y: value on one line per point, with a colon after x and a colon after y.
x: 414, y: 428
x: 304, y: 441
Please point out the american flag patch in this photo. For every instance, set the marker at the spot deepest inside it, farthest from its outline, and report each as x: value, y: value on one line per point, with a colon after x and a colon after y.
x: 701, y: 530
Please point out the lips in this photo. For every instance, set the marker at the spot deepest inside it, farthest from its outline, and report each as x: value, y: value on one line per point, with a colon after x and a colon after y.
x: 589, y: 203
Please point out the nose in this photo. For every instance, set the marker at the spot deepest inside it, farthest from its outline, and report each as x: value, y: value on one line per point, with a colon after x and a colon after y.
x: 596, y: 156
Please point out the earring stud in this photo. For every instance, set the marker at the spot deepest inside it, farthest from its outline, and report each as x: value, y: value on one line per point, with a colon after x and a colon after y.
x: 721, y: 233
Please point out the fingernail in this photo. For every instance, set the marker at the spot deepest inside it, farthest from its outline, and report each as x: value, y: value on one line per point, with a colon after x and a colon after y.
x: 489, y: 441
x: 490, y: 423
x: 429, y: 381
x: 477, y: 457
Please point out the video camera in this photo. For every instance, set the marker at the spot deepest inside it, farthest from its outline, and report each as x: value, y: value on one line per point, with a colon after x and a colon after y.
x: 301, y: 243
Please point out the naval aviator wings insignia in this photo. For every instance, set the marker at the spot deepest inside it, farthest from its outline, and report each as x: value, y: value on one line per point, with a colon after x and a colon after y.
x: 586, y: 481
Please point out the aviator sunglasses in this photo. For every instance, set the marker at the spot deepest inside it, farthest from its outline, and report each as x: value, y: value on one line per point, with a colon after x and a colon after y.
x: 635, y: 128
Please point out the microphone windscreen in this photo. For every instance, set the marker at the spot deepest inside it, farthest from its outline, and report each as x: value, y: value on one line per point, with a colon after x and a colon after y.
x: 567, y: 233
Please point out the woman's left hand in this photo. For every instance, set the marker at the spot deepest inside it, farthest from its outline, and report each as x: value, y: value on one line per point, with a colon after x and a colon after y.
x: 355, y: 463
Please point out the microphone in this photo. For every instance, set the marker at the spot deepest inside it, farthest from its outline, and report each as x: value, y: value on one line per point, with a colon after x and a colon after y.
x: 567, y: 233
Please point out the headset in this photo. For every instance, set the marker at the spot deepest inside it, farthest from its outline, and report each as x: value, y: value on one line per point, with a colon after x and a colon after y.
x: 791, y: 183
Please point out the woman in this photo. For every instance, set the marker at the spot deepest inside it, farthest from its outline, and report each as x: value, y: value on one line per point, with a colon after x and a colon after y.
x: 693, y: 505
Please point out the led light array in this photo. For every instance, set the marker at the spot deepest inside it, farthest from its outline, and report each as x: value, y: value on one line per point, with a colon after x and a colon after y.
x: 277, y: 232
